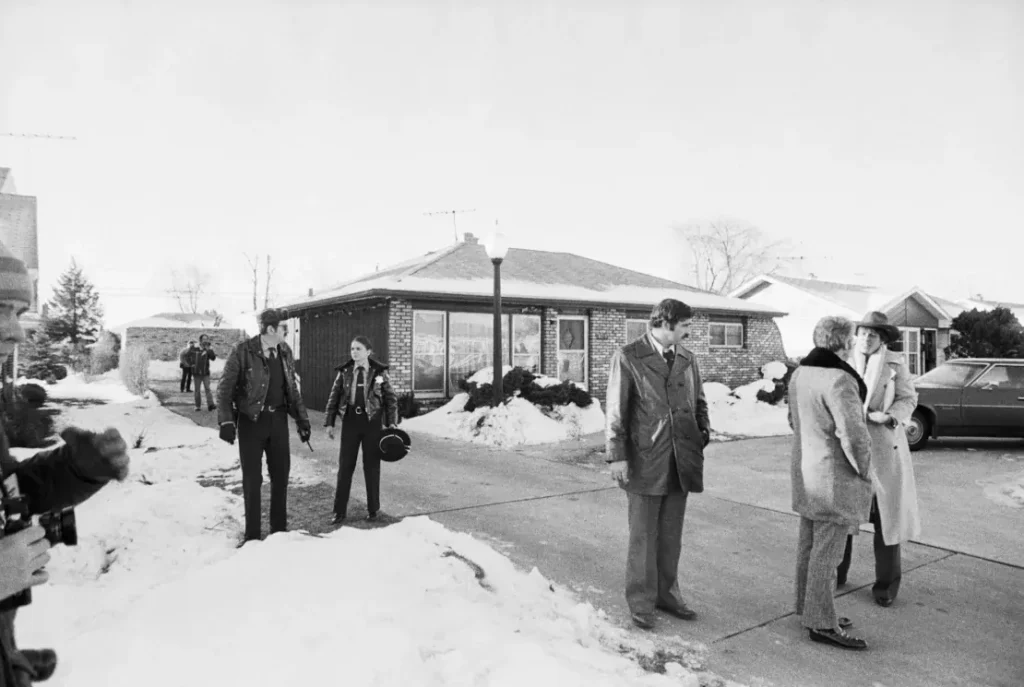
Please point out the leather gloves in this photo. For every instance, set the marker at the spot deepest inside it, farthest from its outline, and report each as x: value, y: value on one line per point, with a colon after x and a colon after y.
x: 227, y: 432
x: 97, y: 457
x: 305, y: 432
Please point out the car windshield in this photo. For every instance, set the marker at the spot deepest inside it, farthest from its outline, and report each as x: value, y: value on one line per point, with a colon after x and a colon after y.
x: 953, y: 375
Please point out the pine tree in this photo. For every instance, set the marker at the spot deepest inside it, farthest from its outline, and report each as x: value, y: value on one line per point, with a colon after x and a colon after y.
x: 992, y: 333
x: 74, y: 310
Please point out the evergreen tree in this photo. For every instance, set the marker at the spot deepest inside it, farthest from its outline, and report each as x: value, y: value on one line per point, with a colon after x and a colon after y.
x: 74, y: 310
x: 992, y: 333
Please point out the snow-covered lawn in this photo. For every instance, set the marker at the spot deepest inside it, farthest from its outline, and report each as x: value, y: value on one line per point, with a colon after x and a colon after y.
x: 732, y: 413
x: 157, y: 594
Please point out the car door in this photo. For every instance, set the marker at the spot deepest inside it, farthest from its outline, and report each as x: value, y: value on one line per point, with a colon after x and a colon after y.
x: 993, y: 404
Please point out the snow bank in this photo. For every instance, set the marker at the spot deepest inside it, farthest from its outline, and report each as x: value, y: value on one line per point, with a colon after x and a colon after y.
x: 366, y: 624
x: 107, y: 388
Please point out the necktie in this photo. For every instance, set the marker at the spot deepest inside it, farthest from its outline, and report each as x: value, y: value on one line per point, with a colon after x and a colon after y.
x: 360, y: 396
x: 670, y: 357
x: 273, y: 354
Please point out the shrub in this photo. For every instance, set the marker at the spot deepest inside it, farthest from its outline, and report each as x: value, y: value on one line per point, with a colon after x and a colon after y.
x: 521, y: 382
x: 26, y: 426
x: 42, y: 358
x: 33, y: 394
x: 134, y: 368
x: 408, y: 406
x: 105, y: 354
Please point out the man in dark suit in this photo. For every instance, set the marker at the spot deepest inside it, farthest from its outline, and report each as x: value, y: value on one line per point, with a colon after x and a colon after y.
x: 656, y: 433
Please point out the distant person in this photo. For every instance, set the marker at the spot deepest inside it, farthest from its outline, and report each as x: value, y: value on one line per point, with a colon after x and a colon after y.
x: 891, y: 400
x: 256, y: 394
x: 657, y: 430
x: 362, y: 396
x: 201, y: 372
x: 831, y: 472
x: 186, y: 361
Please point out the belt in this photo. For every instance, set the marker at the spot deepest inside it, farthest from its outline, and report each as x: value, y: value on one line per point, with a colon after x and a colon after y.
x: 358, y: 410
x: 268, y: 409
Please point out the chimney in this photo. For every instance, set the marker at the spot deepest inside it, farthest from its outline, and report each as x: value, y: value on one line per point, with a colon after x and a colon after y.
x: 311, y: 293
x: 469, y: 238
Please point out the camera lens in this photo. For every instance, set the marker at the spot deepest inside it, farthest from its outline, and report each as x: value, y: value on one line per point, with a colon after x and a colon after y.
x: 60, y: 527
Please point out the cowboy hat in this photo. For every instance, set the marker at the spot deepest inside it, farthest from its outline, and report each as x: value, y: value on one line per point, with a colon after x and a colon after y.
x: 880, y: 323
x: 394, y: 444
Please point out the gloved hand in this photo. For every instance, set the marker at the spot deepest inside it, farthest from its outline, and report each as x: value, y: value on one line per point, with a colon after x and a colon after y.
x: 305, y: 432
x: 707, y: 437
x: 227, y: 432
x: 98, y: 457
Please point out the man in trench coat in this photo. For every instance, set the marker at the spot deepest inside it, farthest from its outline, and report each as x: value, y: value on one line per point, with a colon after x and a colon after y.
x: 657, y: 428
x: 831, y: 472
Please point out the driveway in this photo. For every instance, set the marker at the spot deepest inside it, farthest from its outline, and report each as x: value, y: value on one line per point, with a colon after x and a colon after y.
x: 958, y: 620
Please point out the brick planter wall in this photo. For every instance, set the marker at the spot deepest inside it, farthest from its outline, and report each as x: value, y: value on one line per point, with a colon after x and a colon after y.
x: 400, y: 345
x: 164, y: 343
x: 549, y: 342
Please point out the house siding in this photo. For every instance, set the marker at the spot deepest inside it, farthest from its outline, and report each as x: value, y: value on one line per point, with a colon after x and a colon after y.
x: 327, y: 334
x: 164, y: 343
x: 910, y: 313
x: 607, y: 334
x: 400, y: 345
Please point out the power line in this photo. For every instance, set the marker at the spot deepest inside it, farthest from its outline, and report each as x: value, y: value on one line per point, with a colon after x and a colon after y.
x: 452, y: 213
x: 48, y: 136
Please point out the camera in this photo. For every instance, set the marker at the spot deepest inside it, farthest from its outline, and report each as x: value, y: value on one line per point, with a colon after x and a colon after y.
x: 60, y: 528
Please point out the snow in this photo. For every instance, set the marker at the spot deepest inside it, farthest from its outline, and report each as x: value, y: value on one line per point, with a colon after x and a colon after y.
x: 157, y: 593
x: 614, y: 294
x: 1005, y: 490
x: 774, y: 370
x: 107, y: 388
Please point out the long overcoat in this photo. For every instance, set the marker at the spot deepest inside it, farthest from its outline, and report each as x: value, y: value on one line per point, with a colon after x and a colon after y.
x: 831, y: 461
x: 654, y: 414
x: 890, y: 390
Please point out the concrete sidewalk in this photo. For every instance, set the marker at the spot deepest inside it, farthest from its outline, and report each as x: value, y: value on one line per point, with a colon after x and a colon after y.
x: 958, y: 621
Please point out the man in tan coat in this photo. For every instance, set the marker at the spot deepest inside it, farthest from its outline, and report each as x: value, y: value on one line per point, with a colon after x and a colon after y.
x: 657, y: 428
x: 831, y: 471
x: 891, y: 401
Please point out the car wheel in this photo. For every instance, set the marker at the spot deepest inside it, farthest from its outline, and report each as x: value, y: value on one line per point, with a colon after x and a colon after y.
x: 917, y: 431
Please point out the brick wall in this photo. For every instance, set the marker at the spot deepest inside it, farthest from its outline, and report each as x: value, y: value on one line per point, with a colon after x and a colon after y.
x: 164, y: 343
x: 400, y: 345
x: 549, y: 342
x: 607, y: 334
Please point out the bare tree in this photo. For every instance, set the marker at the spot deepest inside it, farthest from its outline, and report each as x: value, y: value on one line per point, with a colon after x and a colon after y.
x: 266, y: 285
x: 187, y: 287
x: 255, y: 265
x: 725, y: 253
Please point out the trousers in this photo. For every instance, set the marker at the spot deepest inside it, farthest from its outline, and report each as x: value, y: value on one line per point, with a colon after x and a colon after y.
x: 888, y: 563
x: 358, y: 430
x: 267, y: 435
x: 202, y: 382
x: 186, y: 379
x: 819, y: 550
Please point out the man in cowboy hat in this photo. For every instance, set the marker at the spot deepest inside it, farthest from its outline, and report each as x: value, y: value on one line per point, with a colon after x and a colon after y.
x: 891, y: 400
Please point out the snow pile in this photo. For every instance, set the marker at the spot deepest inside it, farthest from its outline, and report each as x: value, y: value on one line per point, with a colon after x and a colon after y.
x: 168, y: 370
x: 511, y: 424
x: 106, y: 388
x: 774, y: 370
x: 1005, y: 490
x: 157, y: 594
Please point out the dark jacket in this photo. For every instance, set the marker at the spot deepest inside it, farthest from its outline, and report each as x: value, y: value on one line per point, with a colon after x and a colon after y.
x: 201, y: 361
x: 379, y: 394
x: 49, y: 482
x: 244, y: 384
x: 187, y: 357
x: 653, y: 414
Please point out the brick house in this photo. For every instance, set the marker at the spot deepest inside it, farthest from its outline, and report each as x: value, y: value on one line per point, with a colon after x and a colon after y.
x: 165, y: 334
x: 431, y: 319
x: 923, y: 319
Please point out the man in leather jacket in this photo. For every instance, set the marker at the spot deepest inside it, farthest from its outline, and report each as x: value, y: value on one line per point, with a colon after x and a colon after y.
x: 49, y: 481
x: 256, y: 394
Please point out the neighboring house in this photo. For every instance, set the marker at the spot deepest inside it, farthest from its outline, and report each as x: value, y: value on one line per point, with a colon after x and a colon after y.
x: 923, y: 319
x: 431, y: 319
x: 19, y: 232
x: 164, y: 334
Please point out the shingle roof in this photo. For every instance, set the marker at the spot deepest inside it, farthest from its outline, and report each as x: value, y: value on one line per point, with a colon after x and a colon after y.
x: 18, y: 227
x: 464, y: 269
x: 854, y: 296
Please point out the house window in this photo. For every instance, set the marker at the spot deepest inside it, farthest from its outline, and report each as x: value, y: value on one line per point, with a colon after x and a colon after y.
x: 910, y: 342
x: 526, y: 342
x: 572, y: 349
x: 428, y: 347
x: 470, y: 344
x: 635, y: 329
x: 725, y: 334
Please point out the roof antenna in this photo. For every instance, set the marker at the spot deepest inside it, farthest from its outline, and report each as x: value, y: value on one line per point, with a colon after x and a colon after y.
x: 455, y: 226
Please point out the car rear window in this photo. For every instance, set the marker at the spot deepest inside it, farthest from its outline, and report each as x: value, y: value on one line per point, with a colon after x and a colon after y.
x: 953, y: 375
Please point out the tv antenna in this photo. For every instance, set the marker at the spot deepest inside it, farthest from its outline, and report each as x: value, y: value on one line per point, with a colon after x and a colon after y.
x: 16, y: 135
x: 453, y: 213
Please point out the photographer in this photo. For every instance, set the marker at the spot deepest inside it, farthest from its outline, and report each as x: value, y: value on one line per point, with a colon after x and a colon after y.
x: 48, y: 481
x: 201, y: 372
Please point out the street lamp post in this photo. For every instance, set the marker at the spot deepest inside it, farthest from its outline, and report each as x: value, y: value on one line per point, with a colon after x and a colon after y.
x: 497, y: 247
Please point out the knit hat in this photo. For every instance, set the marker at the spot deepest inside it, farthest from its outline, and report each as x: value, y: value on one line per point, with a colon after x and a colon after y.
x: 15, y: 284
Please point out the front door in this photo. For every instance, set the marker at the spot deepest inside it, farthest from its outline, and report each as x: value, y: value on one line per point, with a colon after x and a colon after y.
x: 993, y: 404
x: 929, y: 350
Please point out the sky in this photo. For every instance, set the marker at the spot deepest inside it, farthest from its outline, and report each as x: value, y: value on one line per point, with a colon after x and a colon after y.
x: 880, y: 140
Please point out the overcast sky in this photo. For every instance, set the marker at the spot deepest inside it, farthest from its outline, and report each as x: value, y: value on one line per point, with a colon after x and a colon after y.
x: 882, y: 139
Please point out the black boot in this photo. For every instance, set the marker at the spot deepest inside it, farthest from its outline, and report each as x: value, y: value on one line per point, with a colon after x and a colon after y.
x: 43, y: 662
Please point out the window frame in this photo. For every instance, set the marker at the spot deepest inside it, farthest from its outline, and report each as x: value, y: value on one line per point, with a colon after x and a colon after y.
x: 635, y: 320
x: 727, y: 324
x: 432, y: 393
x: 585, y: 351
x: 905, y: 332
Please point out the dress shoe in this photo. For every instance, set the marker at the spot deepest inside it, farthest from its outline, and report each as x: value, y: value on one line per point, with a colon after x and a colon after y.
x: 338, y: 519
x: 884, y: 602
x: 212, y: 407
x: 837, y: 638
x: 844, y: 622
x: 44, y: 662
x: 645, y: 621
x: 372, y: 516
x: 681, y: 611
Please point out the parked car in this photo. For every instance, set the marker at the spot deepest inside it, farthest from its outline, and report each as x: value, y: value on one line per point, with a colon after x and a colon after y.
x: 969, y: 397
